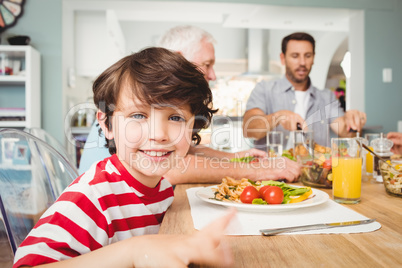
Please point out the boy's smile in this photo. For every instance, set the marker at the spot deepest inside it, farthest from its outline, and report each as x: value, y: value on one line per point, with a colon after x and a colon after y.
x: 155, y: 153
x: 149, y: 139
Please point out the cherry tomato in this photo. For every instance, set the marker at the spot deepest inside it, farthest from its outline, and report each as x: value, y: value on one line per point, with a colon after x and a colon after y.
x: 273, y: 195
x: 249, y: 194
x: 263, y: 189
x: 327, y: 164
x: 309, y: 163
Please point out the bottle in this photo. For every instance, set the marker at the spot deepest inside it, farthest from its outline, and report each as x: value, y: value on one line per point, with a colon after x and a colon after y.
x: 382, y: 146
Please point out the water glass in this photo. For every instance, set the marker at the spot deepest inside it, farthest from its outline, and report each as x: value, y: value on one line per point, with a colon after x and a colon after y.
x: 275, y: 143
x: 303, y: 146
x: 346, y: 170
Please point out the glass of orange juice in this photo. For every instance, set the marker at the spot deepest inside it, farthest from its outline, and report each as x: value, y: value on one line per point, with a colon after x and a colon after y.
x: 346, y: 170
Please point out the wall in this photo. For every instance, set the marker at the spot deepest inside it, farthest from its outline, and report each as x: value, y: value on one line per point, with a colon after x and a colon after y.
x: 383, y: 38
x: 42, y: 22
x: 383, y: 50
x: 133, y: 30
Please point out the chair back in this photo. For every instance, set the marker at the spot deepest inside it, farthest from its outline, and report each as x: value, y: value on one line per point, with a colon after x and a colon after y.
x: 49, y: 139
x: 32, y: 176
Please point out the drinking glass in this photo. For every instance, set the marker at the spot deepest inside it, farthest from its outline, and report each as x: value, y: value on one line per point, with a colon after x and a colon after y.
x: 369, y: 157
x: 346, y: 170
x: 303, y: 146
x: 275, y: 143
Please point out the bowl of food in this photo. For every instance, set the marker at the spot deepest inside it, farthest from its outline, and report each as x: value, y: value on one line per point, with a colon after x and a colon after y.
x: 317, y: 175
x: 392, y: 176
x: 317, y: 170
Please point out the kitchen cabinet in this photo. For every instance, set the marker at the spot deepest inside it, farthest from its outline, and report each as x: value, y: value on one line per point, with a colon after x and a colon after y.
x: 20, y: 94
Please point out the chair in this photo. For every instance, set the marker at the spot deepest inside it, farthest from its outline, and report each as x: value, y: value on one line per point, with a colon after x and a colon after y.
x: 32, y: 175
x: 49, y: 139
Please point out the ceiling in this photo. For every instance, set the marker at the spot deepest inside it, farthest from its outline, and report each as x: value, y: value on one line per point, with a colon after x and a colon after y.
x: 238, y: 15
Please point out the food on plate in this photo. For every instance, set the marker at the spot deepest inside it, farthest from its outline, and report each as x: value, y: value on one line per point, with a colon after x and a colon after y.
x: 260, y: 192
x: 249, y: 194
x: 273, y: 195
x: 392, y: 177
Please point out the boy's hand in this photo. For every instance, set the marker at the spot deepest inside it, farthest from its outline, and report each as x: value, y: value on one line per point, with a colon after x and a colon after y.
x: 211, y: 248
x: 203, y: 247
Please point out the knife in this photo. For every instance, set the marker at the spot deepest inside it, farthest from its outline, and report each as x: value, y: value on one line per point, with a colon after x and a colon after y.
x: 275, y: 231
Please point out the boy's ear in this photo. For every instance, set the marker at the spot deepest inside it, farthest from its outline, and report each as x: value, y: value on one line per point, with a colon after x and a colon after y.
x: 101, y: 116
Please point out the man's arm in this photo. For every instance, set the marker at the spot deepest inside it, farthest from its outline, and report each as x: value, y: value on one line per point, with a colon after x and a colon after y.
x: 351, y: 120
x: 209, y: 152
x: 256, y: 124
x: 198, y: 169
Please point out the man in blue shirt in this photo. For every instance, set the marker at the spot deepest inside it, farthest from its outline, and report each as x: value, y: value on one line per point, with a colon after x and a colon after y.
x: 293, y: 101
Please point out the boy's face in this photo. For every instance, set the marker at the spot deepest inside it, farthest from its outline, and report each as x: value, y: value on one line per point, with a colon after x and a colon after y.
x: 149, y: 139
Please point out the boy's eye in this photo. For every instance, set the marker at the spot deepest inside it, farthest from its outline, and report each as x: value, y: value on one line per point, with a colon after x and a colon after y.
x: 138, y: 116
x: 177, y: 118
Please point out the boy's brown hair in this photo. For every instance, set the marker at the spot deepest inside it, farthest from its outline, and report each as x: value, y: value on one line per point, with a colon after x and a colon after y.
x: 157, y: 77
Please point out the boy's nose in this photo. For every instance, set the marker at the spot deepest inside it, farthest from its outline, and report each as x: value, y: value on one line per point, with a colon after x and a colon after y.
x: 158, y: 132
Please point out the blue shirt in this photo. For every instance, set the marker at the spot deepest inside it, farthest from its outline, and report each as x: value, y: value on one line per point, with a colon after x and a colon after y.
x: 94, y: 149
x: 323, y: 107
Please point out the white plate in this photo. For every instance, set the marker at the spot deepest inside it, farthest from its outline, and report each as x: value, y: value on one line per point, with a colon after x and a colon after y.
x: 206, y: 194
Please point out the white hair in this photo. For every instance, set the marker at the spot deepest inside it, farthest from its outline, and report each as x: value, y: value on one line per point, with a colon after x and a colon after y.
x: 185, y: 39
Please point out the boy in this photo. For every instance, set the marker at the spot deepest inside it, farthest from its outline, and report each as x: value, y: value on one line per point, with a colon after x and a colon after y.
x: 150, y: 106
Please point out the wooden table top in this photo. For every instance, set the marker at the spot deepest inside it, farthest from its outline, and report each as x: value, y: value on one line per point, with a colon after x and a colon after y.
x: 381, y: 248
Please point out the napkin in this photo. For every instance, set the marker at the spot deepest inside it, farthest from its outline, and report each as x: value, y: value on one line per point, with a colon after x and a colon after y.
x: 249, y: 223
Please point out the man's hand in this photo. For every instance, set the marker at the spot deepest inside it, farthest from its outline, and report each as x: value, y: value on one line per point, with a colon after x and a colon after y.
x: 256, y: 123
x: 351, y: 122
x: 396, y: 138
x: 289, y: 120
x: 355, y: 120
x: 276, y: 169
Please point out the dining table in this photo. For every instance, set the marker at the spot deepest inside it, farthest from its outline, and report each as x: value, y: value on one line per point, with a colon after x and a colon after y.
x: 379, y: 248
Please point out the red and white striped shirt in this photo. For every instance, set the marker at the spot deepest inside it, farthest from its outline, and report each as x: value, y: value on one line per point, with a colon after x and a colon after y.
x: 102, y: 206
